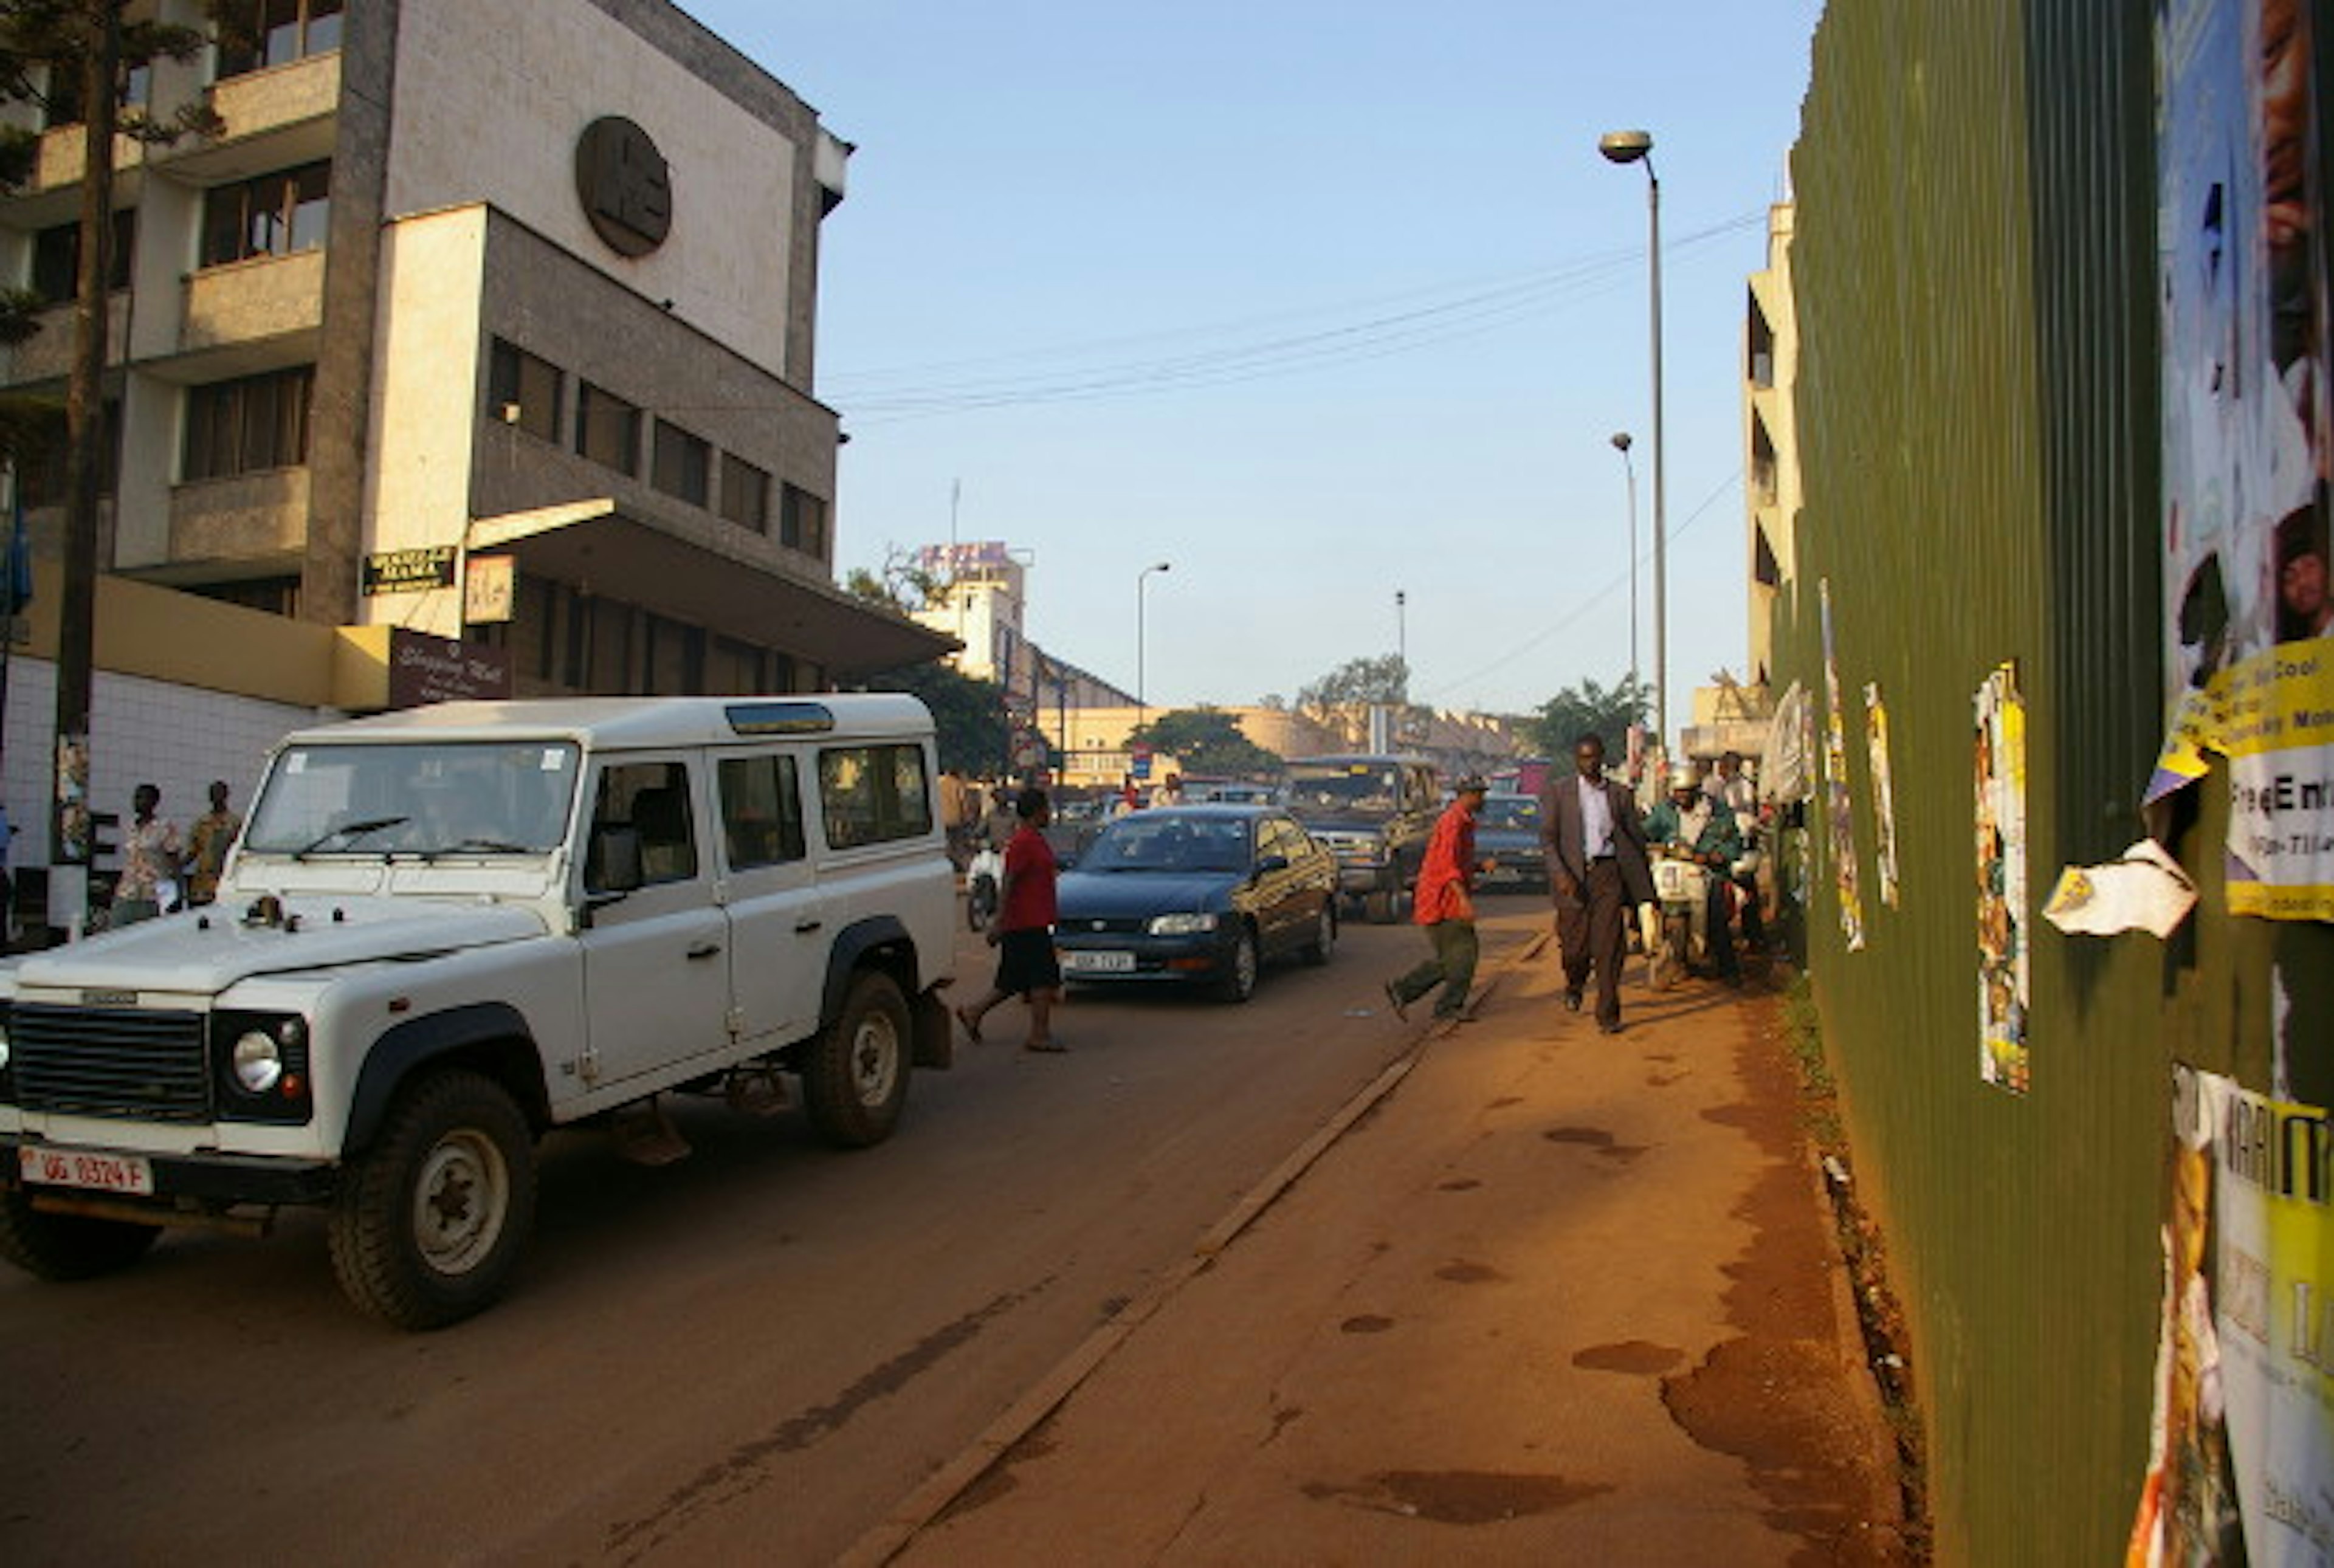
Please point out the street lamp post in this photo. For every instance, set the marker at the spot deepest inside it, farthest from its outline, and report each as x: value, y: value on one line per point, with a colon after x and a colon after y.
x: 1637, y: 147
x: 1141, y: 579
x: 1621, y: 445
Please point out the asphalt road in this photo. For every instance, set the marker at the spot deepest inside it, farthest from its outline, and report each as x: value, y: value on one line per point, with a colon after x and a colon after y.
x: 750, y: 1355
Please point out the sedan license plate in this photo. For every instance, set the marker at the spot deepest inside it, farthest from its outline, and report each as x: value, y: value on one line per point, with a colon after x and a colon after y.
x: 1077, y: 963
x: 97, y: 1172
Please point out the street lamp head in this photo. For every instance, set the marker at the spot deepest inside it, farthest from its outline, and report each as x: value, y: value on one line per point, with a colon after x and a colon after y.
x: 1625, y: 146
x: 1161, y: 566
x: 1621, y: 441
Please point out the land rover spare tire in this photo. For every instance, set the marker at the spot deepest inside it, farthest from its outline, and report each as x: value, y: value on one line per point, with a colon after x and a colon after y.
x: 62, y: 1247
x: 855, y: 1073
x: 430, y: 1220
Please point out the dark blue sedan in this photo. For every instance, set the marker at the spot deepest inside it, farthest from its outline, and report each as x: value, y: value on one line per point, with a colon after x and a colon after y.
x: 1198, y: 894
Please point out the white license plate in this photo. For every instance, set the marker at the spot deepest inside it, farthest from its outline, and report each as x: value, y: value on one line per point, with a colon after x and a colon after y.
x: 1077, y: 963
x: 73, y: 1167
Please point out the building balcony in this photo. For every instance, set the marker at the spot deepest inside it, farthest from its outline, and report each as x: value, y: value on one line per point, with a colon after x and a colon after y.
x: 273, y: 118
x: 64, y: 154
x: 260, y: 517
x: 249, y: 302
x: 47, y: 354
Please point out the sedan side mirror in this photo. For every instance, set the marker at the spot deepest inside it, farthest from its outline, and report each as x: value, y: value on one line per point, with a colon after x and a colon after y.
x: 1271, y: 863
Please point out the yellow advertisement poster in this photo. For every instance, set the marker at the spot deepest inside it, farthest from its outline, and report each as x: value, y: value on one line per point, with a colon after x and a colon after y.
x: 2241, y: 1459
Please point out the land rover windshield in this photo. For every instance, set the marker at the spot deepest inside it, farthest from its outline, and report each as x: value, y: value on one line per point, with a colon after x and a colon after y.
x: 484, y: 797
x: 1343, y: 789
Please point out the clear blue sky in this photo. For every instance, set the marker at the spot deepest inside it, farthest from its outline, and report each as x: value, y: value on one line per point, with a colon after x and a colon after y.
x: 1316, y: 299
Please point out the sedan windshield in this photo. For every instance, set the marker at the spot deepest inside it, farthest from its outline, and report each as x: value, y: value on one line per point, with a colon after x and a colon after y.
x: 1157, y: 840
x: 475, y: 798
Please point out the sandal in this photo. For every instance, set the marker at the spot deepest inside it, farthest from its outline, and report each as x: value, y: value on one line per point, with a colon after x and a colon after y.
x: 1049, y: 1046
x: 971, y: 1024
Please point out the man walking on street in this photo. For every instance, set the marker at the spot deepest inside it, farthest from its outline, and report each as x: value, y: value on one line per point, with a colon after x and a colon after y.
x: 1596, y: 868
x: 1023, y: 931
x: 1444, y: 905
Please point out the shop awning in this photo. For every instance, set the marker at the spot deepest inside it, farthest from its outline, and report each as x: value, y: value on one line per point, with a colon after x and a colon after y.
x: 727, y: 585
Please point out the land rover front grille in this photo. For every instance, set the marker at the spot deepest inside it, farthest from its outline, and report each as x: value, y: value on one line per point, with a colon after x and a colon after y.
x: 109, y: 1062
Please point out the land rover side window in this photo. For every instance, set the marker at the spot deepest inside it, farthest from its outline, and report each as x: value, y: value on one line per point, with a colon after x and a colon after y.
x: 873, y: 794
x: 651, y: 799
x: 761, y: 811
x: 500, y: 797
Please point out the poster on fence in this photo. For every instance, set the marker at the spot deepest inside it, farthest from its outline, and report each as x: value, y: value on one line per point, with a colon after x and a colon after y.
x: 2247, y: 400
x: 2240, y: 1463
x: 2000, y: 783
x: 1839, y: 805
x: 1883, y: 793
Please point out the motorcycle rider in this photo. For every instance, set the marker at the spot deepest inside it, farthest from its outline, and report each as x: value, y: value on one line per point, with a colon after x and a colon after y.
x: 1734, y: 792
x: 1690, y: 825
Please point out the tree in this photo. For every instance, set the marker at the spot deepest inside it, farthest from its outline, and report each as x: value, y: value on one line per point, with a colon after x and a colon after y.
x: 1383, y: 679
x: 1208, y: 740
x: 65, y: 54
x: 899, y: 584
x: 1590, y: 709
x: 967, y: 713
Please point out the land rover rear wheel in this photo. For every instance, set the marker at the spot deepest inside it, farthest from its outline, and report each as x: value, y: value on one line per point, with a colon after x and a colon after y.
x: 429, y: 1222
x: 62, y: 1247
x: 855, y: 1073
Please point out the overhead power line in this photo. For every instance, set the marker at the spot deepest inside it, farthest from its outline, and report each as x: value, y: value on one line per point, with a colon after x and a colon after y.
x: 1245, y: 351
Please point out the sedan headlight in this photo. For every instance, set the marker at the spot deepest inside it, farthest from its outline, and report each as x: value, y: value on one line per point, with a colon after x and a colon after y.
x: 3, y: 1040
x: 1182, y: 924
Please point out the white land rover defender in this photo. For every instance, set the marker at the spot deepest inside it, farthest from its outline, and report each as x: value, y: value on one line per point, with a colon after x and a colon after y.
x: 449, y: 929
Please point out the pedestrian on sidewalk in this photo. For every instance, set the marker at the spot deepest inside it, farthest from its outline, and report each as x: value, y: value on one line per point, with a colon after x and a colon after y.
x: 151, y: 850
x: 1023, y: 930
x: 1444, y: 904
x: 1597, y: 869
x: 208, y: 843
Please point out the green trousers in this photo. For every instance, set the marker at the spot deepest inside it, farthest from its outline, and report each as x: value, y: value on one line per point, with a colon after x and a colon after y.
x: 1453, y: 967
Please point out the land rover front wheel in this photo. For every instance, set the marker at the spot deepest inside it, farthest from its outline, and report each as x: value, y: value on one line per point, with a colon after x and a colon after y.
x: 855, y: 1073
x: 61, y: 1246
x: 429, y: 1221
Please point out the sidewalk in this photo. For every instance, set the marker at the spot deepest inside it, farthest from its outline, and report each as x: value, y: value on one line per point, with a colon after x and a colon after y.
x: 1542, y: 1296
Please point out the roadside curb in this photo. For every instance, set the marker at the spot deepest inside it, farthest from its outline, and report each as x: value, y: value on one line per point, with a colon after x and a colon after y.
x: 888, y: 1539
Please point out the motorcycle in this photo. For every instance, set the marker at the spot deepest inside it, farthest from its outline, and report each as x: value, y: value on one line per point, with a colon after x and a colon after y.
x: 1676, y: 924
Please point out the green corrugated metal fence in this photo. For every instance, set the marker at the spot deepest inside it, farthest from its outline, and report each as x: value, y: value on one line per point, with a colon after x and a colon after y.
x: 1977, y: 414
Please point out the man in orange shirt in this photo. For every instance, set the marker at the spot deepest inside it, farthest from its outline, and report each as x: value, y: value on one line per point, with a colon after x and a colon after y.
x: 1444, y: 905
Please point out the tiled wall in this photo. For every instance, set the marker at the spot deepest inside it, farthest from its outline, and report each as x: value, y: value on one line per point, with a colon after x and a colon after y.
x: 175, y: 737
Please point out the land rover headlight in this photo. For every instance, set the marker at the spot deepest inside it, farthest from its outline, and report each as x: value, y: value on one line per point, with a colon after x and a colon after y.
x: 1182, y: 924
x: 258, y: 1060
x: 259, y: 1053
x: 3, y: 1039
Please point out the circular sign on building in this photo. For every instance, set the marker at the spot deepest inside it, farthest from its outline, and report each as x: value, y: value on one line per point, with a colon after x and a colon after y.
x: 625, y: 186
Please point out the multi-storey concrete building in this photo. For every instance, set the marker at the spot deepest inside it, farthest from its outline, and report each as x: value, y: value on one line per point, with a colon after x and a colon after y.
x: 484, y: 301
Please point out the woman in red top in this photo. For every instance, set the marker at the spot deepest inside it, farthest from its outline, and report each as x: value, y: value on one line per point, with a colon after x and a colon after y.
x: 1023, y: 931
x: 1443, y: 904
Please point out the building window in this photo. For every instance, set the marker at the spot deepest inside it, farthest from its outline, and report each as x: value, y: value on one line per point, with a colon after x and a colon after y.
x: 275, y: 215
x: 745, y: 493
x: 254, y: 34
x: 41, y: 474
x: 56, y: 257
x: 523, y: 390
x: 607, y: 428
x: 682, y: 465
x: 245, y: 425
x: 802, y: 521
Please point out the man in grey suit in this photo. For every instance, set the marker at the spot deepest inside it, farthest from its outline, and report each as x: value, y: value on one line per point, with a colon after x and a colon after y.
x: 1597, y: 869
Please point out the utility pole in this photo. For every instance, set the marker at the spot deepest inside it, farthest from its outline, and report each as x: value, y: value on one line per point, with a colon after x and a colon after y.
x: 85, y: 438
